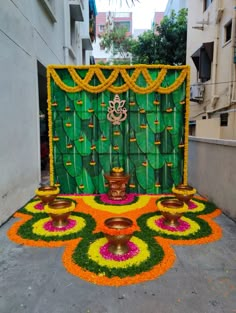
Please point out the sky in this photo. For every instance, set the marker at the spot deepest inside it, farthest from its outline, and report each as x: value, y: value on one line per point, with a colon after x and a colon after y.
x: 143, y: 11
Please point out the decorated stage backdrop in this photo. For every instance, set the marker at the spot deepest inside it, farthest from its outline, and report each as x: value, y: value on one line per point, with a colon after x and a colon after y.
x: 135, y: 117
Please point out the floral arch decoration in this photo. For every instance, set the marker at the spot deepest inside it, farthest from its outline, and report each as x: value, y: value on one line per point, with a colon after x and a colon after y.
x: 151, y: 144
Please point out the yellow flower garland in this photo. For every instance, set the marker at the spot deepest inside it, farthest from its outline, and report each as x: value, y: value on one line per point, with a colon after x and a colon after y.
x: 49, y: 210
x: 186, y: 129
x: 164, y: 208
x: 184, y: 192
x: 107, y: 83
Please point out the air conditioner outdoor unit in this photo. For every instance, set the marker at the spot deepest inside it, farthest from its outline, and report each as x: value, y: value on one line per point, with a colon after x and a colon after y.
x: 197, y: 92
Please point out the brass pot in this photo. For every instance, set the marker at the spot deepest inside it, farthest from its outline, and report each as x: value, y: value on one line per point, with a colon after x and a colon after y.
x: 59, y: 220
x: 169, y: 210
x: 184, y: 193
x: 50, y: 193
x: 117, y: 174
x: 118, y: 243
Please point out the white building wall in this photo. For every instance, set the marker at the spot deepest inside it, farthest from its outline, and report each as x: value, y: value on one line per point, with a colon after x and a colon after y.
x: 27, y: 34
x: 220, y: 89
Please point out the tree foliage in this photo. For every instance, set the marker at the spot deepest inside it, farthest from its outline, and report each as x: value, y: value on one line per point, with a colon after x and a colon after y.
x: 114, y: 40
x: 165, y: 45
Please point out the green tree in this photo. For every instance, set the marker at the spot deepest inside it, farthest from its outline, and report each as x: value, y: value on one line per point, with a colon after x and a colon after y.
x: 166, y: 44
x: 114, y: 39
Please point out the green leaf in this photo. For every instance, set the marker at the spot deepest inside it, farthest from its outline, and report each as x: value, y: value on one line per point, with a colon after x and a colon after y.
x: 145, y: 176
x: 83, y: 145
x: 85, y: 180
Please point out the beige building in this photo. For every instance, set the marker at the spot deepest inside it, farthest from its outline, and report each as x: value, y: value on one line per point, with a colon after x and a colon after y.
x: 211, y: 53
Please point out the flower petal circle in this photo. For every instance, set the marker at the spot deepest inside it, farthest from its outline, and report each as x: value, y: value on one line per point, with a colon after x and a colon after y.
x: 155, y: 224
x: 95, y: 255
x: 40, y: 229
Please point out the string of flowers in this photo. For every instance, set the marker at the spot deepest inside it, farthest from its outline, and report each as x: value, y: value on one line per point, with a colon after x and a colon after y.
x: 106, y: 83
x: 118, y: 231
x: 176, y: 84
x: 186, y: 130
x: 164, y: 208
x: 86, y: 80
x: 184, y: 192
x: 143, y: 90
x: 51, y: 163
x: 57, y: 211
x: 125, y: 87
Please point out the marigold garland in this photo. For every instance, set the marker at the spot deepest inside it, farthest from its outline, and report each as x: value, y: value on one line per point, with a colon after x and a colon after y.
x: 107, y: 83
x: 116, y: 232
x: 49, y: 210
x: 164, y: 208
x: 184, y: 192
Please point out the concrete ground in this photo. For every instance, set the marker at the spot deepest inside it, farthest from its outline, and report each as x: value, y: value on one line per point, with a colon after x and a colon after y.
x: 203, y: 280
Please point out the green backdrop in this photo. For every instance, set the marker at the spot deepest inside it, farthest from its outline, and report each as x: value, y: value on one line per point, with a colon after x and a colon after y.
x: 150, y: 144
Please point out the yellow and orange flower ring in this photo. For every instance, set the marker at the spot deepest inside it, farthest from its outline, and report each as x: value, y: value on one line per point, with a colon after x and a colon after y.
x: 86, y: 253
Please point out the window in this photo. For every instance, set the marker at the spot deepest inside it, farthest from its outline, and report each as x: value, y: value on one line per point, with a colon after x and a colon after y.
x: 228, y: 31
x: 125, y: 24
x: 202, y: 59
x: 72, y: 33
x: 224, y: 119
x: 101, y: 28
x: 206, y: 4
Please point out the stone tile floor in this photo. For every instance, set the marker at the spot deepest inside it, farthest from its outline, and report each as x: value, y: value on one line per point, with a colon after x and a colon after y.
x: 202, y: 280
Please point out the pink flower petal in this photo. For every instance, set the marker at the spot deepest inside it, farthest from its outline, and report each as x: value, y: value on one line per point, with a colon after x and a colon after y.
x: 39, y: 206
x: 49, y: 226
x: 133, y: 250
x: 191, y: 205
x: 180, y: 228
x: 129, y: 198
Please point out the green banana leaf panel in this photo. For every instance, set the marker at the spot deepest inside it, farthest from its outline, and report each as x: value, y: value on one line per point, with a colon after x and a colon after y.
x: 148, y: 144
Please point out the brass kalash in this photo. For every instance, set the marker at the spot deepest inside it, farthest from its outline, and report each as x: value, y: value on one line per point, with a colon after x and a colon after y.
x: 47, y: 193
x: 117, y: 181
x: 184, y: 192
x: 120, y: 233
x: 59, y: 210
x: 172, y: 209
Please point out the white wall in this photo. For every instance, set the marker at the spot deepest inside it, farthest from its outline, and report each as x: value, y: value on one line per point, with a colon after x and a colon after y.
x: 212, y: 171
x: 27, y: 34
